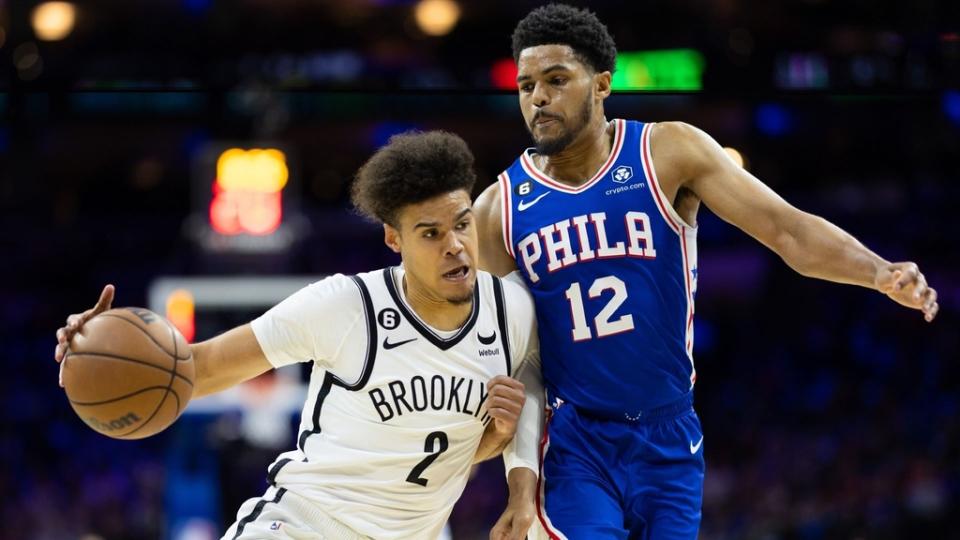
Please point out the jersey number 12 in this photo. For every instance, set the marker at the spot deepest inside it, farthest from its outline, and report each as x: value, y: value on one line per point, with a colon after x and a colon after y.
x: 601, y: 323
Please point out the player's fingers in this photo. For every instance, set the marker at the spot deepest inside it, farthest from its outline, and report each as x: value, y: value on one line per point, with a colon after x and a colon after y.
x: 511, y: 390
x: 932, y: 314
x: 503, y: 380
x: 62, y: 335
x: 908, y: 276
x: 74, y: 321
x: 521, y: 524
x: 512, y: 407
x: 930, y: 298
x: 60, y: 376
x: 920, y: 288
x: 511, y: 398
x: 503, y: 415
x: 106, y: 299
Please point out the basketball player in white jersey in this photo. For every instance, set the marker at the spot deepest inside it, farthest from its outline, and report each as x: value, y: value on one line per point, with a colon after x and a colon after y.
x: 411, y: 378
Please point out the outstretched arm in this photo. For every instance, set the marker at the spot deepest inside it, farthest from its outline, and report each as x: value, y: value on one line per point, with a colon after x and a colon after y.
x: 686, y: 157
x: 221, y: 362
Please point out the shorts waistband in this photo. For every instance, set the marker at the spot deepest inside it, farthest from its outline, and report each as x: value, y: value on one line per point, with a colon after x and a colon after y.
x: 671, y: 410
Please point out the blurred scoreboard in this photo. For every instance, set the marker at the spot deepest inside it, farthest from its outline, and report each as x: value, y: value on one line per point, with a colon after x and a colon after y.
x: 245, y: 199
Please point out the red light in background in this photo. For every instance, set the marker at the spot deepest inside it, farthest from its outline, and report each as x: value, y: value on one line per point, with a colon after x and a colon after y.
x: 503, y: 74
x: 180, y: 312
x: 247, y: 193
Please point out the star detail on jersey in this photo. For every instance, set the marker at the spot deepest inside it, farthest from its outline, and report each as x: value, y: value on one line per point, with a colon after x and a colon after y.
x: 622, y: 174
x: 523, y: 205
x: 487, y: 340
x: 387, y: 345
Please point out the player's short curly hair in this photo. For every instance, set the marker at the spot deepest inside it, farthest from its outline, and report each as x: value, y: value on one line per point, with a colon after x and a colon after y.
x: 412, y: 167
x: 560, y: 24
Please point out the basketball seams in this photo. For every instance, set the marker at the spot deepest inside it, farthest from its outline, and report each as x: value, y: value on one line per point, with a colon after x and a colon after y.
x: 173, y: 375
x: 173, y: 355
x: 71, y: 354
x: 118, y: 398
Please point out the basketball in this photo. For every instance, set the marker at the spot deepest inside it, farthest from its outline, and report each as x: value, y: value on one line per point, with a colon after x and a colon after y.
x: 128, y: 373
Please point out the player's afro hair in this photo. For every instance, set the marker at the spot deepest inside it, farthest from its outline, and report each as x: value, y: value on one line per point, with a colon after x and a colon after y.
x: 559, y: 24
x: 411, y: 168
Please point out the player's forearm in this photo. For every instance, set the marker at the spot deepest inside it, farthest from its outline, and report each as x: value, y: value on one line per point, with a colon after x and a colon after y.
x: 491, y: 444
x: 226, y: 361
x: 814, y: 247
x: 522, y: 483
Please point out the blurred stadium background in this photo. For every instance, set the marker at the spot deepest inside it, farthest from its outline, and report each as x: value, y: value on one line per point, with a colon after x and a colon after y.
x: 197, y: 154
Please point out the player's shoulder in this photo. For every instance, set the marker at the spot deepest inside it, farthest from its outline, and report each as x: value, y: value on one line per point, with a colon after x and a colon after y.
x: 517, y: 297
x: 345, y: 287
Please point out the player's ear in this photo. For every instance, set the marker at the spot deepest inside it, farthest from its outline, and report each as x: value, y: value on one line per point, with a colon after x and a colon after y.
x: 603, y: 84
x: 391, y: 237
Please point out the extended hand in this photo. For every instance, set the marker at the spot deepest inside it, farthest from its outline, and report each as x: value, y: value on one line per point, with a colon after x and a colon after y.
x: 515, y: 521
x: 505, y: 401
x: 76, y: 321
x: 904, y: 283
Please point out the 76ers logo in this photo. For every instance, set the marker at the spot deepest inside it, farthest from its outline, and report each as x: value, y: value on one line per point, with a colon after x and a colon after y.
x: 622, y: 174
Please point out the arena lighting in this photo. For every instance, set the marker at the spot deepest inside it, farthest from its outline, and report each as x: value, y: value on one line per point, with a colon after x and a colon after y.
x: 503, y: 74
x: 668, y: 69
x: 180, y: 309
x: 247, y: 194
x: 53, y: 21
x: 436, y: 17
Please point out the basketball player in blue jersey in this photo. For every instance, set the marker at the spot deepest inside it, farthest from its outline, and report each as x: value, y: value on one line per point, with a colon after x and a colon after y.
x: 600, y: 220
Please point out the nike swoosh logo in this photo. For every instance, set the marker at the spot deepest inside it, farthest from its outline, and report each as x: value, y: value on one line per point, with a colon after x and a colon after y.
x: 694, y: 448
x: 524, y: 205
x: 387, y: 345
x: 487, y: 340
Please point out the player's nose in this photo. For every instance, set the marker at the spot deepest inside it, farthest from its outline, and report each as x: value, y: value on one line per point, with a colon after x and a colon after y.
x: 452, y: 243
x: 541, y: 98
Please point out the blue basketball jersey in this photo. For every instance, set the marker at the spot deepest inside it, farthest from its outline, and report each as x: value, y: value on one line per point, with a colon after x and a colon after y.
x: 613, y: 271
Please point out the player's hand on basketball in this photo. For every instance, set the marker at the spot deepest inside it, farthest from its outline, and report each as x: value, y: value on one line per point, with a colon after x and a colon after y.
x: 505, y: 401
x: 76, y: 321
x: 906, y: 285
x: 515, y: 520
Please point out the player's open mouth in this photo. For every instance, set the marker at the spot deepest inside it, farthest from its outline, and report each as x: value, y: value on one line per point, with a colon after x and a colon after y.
x: 459, y: 273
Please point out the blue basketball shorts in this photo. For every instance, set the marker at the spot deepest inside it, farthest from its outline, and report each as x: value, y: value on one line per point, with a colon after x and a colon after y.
x: 620, y: 479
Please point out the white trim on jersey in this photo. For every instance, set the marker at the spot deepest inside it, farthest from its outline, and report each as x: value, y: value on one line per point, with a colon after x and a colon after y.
x: 687, y: 235
x: 506, y: 212
x: 552, y: 532
x: 619, y: 134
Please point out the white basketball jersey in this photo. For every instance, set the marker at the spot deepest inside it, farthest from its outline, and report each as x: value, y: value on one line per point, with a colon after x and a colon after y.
x: 396, y: 409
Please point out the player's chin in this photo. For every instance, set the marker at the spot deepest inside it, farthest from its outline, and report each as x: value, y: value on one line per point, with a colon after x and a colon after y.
x: 458, y: 284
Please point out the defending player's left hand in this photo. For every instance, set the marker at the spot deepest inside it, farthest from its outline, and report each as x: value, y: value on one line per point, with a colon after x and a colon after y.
x: 906, y: 285
x: 504, y: 403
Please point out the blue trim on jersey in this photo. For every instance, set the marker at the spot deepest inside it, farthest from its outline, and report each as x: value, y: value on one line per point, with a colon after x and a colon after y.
x: 612, y: 271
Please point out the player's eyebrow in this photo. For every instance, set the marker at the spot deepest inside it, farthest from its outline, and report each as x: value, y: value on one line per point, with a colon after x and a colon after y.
x: 463, y: 213
x: 555, y: 67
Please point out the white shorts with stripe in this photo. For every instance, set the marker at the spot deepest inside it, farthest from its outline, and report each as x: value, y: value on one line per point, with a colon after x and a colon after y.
x: 283, y: 515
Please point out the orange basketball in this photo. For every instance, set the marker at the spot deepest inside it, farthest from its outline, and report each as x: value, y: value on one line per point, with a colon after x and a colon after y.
x: 128, y: 373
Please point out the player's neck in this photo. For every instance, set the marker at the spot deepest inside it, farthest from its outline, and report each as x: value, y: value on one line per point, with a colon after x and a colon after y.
x: 578, y: 162
x: 435, y: 311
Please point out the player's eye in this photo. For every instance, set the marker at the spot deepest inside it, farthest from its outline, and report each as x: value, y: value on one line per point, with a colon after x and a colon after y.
x: 558, y: 81
x: 526, y: 88
x: 463, y: 225
x: 430, y: 233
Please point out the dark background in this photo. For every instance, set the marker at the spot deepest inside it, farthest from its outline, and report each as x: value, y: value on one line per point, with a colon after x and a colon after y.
x: 828, y: 411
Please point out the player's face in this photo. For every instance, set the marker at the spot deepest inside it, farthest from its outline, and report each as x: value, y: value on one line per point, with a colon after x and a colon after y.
x: 557, y: 95
x: 438, y: 243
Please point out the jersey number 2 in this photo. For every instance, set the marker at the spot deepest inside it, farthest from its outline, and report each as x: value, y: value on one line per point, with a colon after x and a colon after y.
x: 602, y: 323
x: 428, y: 445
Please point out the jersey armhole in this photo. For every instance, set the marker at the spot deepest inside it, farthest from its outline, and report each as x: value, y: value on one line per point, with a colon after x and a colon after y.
x: 506, y: 209
x: 667, y: 211
x: 500, y: 301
